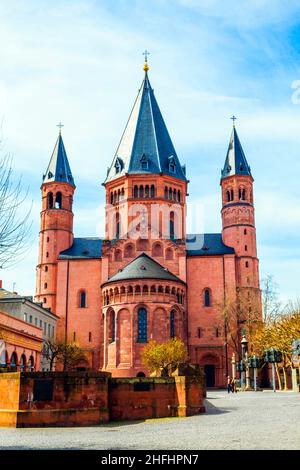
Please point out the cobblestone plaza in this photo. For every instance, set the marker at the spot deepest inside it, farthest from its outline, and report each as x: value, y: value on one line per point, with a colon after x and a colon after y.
x: 249, y: 420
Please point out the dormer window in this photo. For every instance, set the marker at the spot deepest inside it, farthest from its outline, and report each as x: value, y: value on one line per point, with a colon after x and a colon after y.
x: 172, y: 164
x: 118, y: 165
x: 144, y: 163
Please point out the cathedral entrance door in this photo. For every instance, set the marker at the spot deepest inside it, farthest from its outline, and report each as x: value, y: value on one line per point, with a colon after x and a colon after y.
x: 209, y: 375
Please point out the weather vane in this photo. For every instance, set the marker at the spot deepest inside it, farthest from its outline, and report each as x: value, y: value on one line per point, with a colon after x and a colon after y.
x: 233, y: 119
x: 146, y: 66
x: 60, y: 125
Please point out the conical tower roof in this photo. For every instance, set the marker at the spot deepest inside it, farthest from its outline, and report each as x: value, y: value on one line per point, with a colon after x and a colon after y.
x: 59, y: 169
x: 145, y: 146
x: 144, y: 267
x: 235, y: 163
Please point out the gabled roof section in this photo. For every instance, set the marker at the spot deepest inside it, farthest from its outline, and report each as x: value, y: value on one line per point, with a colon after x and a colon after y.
x: 59, y: 169
x: 145, y: 146
x: 207, y: 244
x: 144, y: 267
x: 235, y: 163
x: 83, y: 248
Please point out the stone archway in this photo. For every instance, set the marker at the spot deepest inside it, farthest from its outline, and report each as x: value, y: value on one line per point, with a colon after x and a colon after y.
x: 210, y: 364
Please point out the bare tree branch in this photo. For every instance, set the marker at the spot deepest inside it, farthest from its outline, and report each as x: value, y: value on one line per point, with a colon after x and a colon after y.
x: 15, y: 226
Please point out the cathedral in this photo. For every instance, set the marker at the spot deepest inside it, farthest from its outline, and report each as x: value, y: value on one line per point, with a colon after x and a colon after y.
x: 147, y: 279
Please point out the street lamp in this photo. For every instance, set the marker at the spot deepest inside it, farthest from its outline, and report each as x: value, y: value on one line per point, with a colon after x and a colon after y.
x: 244, y: 343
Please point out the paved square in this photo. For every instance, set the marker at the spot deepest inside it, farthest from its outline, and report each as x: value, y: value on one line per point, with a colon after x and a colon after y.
x: 262, y: 420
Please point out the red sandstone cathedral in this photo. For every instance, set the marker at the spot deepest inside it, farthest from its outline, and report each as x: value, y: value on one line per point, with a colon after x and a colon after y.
x: 147, y: 279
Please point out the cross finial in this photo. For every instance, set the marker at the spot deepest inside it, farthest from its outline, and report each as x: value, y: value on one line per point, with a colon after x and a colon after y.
x: 60, y: 125
x: 146, y: 66
x: 233, y: 119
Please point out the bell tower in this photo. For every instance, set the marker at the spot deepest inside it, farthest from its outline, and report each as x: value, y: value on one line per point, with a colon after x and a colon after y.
x: 56, y: 223
x: 146, y: 185
x: 238, y: 224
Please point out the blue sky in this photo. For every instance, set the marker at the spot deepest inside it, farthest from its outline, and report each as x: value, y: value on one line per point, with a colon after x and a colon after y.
x: 80, y: 62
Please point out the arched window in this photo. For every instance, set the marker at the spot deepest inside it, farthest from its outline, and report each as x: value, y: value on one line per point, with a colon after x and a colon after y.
x: 141, y: 191
x: 145, y: 289
x: 157, y: 249
x: 147, y: 191
x: 175, y: 195
x: 31, y: 363
x: 170, y: 193
x: 228, y: 196
x: 242, y: 194
x: 142, y: 325
x: 112, y: 327
x: 118, y: 225
x: 178, y: 195
x: 50, y: 201
x: 82, y: 299
x: 58, y: 200
x: 152, y: 190
x: 3, y: 357
x: 231, y: 195
x: 172, y: 232
x: 130, y: 289
x: 111, y: 197
x: 172, y: 324
x: 14, y: 359
x: 207, y: 299
x: 118, y: 255
x: 166, y: 192
x: 23, y: 362
x: 169, y: 253
x: 128, y: 252
x: 136, y: 192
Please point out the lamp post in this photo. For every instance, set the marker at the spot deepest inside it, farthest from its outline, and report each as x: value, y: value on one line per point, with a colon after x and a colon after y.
x: 233, y: 366
x: 245, y: 372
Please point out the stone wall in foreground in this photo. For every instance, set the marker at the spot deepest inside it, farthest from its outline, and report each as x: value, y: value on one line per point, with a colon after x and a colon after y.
x: 91, y: 398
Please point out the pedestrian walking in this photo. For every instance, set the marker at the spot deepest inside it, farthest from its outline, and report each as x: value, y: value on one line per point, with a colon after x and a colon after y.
x: 233, y: 385
x: 228, y: 384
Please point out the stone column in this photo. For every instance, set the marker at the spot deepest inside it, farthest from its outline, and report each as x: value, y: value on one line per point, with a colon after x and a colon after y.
x: 233, y: 364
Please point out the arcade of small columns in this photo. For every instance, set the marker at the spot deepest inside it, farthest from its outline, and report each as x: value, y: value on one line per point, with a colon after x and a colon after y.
x: 164, y: 303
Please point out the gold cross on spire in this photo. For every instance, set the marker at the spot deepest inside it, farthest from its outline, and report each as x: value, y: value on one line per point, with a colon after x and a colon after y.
x: 146, y: 66
x: 233, y: 119
x: 60, y: 125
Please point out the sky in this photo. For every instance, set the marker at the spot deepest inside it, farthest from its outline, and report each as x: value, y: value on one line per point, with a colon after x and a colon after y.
x: 80, y: 62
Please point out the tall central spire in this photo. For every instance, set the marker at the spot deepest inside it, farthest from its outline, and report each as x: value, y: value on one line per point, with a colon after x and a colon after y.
x: 145, y: 146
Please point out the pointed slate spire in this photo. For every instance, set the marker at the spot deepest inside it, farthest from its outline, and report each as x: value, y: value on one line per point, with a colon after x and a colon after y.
x: 145, y: 146
x: 59, y: 169
x: 235, y: 163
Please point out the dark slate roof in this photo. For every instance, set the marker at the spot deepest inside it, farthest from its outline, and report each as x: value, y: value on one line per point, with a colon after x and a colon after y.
x: 144, y: 267
x: 207, y: 244
x: 59, y: 169
x: 235, y: 163
x: 145, y: 141
x: 85, y: 248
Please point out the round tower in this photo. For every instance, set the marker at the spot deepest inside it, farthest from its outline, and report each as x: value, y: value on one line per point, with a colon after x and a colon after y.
x: 238, y: 231
x: 56, y: 226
